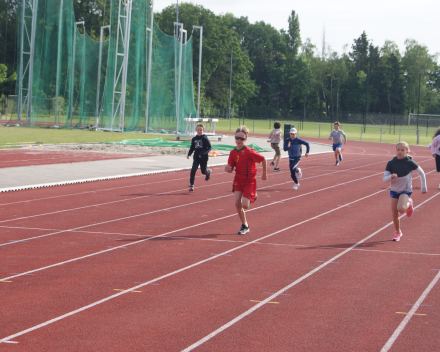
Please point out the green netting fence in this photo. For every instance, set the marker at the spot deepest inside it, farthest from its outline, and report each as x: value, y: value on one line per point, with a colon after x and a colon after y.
x: 65, y: 88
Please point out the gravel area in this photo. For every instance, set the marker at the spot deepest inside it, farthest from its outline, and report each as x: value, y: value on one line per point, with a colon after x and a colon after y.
x: 118, y: 148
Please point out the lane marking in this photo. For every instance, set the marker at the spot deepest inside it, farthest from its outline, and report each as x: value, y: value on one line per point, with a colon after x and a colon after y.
x: 196, y: 225
x: 262, y: 301
x: 180, y: 190
x: 148, y: 213
x: 411, y: 313
x: 118, y: 289
x: 269, y: 299
x: 251, y: 310
x: 408, y: 313
x: 5, y: 281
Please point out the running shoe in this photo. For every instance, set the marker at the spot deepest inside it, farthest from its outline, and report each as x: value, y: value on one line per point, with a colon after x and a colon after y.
x: 410, y: 209
x: 340, y: 157
x: 277, y: 169
x: 296, y: 186
x: 244, y: 229
x: 397, y: 236
x: 337, y: 163
x: 191, y: 188
x: 299, y: 173
x: 256, y: 197
x: 272, y: 163
x: 208, y: 175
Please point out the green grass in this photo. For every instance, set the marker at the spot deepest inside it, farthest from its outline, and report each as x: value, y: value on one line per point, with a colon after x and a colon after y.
x: 28, y: 135
x: 322, y: 130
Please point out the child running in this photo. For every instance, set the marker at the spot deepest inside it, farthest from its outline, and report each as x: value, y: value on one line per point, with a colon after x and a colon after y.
x: 201, y: 146
x: 337, y: 134
x: 274, y: 140
x: 399, y: 172
x: 243, y: 159
x: 435, y: 150
x: 293, y: 145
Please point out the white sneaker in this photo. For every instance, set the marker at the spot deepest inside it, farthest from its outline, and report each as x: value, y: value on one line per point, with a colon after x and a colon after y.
x: 296, y: 186
x: 299, y: 173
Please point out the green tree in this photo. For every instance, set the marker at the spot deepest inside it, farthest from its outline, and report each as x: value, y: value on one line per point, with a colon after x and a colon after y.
x: 294, y: 36
x: 359, y: 55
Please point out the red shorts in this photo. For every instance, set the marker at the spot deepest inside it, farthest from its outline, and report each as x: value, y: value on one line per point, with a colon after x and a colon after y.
x: 248, y: 187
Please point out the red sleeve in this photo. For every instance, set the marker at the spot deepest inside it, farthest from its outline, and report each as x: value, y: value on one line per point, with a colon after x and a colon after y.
x: 256, y: 157
x: 231, y: 160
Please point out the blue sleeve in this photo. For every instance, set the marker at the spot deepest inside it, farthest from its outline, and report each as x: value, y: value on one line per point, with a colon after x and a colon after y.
x: 307, y: 145
x: 285, y: 144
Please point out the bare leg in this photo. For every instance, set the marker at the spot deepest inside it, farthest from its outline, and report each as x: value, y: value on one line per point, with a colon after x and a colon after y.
x: 277, y: 158
x: 239, y: 205
x: 395, y: 213
x: 402, y: 204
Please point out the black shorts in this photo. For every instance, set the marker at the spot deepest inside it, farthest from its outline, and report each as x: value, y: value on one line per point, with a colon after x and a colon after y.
x: 437, y: 162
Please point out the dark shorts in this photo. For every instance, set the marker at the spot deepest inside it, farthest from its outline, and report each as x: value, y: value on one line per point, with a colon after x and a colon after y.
x: 276, y: 147
x: 437, y: 162
x: 339, y: 145
x: 396, y: 195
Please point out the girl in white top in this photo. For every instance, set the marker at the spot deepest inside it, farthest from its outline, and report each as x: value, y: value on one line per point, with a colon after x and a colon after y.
x: 435, y: 150
x: 274, y: 140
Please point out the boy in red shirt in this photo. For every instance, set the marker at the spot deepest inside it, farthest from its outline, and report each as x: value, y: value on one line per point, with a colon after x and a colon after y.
x: 243, y: 159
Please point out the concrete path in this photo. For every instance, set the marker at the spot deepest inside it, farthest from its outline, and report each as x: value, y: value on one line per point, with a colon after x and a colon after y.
x: 26, y: 177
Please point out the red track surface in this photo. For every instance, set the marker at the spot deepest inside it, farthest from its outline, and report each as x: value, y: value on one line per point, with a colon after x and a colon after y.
x: 40, y: 156
x: 139, y: 264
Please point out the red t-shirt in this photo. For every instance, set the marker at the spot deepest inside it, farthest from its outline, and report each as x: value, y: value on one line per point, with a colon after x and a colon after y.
x: 244, y: 162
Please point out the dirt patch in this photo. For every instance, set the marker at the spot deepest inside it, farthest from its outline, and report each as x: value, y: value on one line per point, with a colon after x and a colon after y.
x: 119, y: 148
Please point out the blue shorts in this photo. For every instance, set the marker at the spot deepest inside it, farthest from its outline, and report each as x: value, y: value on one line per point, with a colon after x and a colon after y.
x: 396, y: 195
x: 339, y: 145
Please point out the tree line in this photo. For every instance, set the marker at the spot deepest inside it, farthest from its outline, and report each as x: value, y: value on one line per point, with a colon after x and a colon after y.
x: 273, y: 69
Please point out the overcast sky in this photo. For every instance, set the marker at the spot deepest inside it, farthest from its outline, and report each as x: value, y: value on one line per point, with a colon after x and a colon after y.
x: 343, y: 20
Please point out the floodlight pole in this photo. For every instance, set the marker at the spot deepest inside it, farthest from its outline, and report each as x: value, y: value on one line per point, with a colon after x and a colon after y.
x: 150, y: 56
x: 72, y: 77
x: 200, y: 69
x: 230, y: 81
x: 60, y: 22
x: 180, y: 26
x: 98, y: 85
x: 30, y: 64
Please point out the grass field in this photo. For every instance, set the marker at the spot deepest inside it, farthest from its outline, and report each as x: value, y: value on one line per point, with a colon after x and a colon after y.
x: 383, y: 134
x: 11, y: 136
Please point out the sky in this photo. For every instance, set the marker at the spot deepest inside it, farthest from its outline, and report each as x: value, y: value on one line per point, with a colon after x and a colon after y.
x: 342, y: 20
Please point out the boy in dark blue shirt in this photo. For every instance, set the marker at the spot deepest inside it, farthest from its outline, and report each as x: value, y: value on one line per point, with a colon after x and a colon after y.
x: 294, y: 146
x: 201, y: 146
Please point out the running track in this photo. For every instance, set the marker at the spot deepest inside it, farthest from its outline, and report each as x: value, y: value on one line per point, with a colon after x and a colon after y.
x: 139, y: 264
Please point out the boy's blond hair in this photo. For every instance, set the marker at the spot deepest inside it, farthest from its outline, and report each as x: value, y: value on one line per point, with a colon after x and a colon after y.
x: 243, y: 129
x: 336, y: 123
x: 201, y: 125
x: 405, y: 145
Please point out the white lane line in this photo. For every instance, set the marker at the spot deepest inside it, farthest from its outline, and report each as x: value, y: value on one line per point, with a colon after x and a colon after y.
x: 158, y: 194
x: 187, y: 268
x: 181, y: 229
x: 275, y: 295
x: 411, y: 313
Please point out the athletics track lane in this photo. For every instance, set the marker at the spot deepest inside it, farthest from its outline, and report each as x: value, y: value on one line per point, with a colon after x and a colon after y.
x: 214, y: 297
x: 36, y: 156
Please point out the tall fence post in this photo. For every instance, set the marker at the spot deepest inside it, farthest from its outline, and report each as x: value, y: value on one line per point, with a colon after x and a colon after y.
x: 253, y: 126
x: 229, y: 125
x: 319, y: 130
x: 400, y: 133
x: 418, y: 136
x: 361, y: 133
x: 380, y: 135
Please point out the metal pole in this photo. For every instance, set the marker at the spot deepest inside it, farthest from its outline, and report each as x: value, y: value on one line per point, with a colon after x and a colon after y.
x: 418, y: 107
x: 20, y: 94
x: 60, y: 22
x: 180, y: 77
x: 31, y: 59
x: 72, y: 77
x: 366, y: 100
x: 150, y: 57
x: 200, y: 69
x: 230, y: 84
x: 98, y: 84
